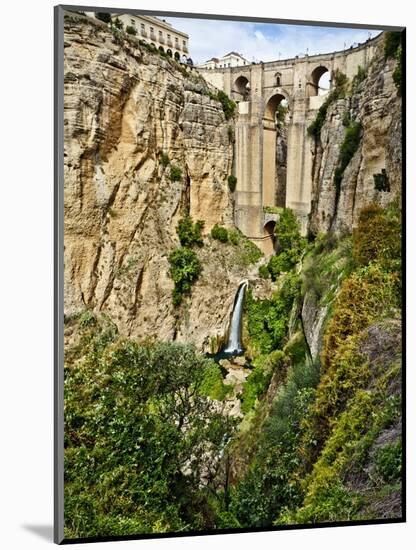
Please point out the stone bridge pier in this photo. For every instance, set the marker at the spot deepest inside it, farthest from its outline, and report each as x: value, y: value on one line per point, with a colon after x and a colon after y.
x: 277, y: 101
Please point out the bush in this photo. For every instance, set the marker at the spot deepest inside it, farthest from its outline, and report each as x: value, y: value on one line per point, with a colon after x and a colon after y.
x: 131, y: 30
x: 164, y: 159
x: 185, y: 268
x: 103, y: 16
x: 267, y: 320
x: 232, y: 183
x: 175, y: 173
x: 392, y: 43
x: 212, y: 384
x: 125, y: 448
x: 118, y: 24
x: 389, y: 462
x: 339, y: 91
x: 348, y: 148
x: 219, y: 233
x: 264, y: 272
x: 228, y: 105
x: 397, y: 73
x: 189, y: 233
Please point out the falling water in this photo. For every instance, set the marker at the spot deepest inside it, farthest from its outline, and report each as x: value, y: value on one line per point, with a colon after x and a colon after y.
x: 234, y: 346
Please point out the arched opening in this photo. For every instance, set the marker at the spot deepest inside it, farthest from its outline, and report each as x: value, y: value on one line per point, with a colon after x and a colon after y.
x: 161, y: 49
x: 169, y: 52
x: 269, y: 245
x: 275, y: 151
x: 278, y: 79
x: 241, y: 89
x: 320, y: 81
x: 177, y: 56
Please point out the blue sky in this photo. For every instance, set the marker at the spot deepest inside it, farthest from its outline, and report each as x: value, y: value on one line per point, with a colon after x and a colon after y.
x: 263, y: 42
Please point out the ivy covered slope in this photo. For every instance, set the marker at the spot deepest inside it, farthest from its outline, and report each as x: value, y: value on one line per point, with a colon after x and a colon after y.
x: 329, y: 447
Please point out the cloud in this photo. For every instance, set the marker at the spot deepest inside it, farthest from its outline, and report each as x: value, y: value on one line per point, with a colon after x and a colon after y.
x: 263, y: 42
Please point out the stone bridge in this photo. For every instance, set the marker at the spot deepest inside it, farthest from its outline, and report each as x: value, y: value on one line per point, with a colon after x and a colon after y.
x: 259, y: 90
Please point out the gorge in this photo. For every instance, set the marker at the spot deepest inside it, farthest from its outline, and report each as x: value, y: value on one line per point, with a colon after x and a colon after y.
x: 202, y: 217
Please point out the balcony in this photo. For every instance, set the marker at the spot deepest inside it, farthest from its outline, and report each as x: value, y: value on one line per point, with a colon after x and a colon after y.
x: 143, y: 33
x: 152, y: 36
x: 169, y: 42
x: 161, y: 40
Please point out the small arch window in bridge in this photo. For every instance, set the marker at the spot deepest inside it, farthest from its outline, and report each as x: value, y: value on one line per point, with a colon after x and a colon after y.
x: 241, y: 89
x: 278, y: 79
x: 320, y: 81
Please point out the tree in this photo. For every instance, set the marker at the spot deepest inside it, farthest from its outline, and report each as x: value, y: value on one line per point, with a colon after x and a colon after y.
x: 103, y: 16
x: 139, y: 437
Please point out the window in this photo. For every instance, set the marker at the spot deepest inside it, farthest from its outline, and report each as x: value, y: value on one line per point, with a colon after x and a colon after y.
x: 151, y: 29
x: 133, y: 22
x: 176, y: 40
x: 184, y: 43
x: 168, y: 36
x: 160, y: 34
x: 142, y: 26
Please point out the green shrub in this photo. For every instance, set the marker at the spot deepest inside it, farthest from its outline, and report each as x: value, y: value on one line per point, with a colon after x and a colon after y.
x: 233, y: 237
x: 164, y: 159
x: 87, y: 319
x: 397, y: 73
x: 175, y: 173
x: 267, y: 320
x: 189, y: 233
x: 219, y: 233
x: 232, y: 182
x: 118, y: 24
x: 103, y: 16
x: 264, y: 272
x: 125, y: 448
x: 389, y: 462
x: 348, y: 148
x: 392, y: 42
x: 212, y: 384
x: 131, y: 30
x: 228, y: 105
x: 231, y: 134
x: 185, y: 268
x: 358, y: 78
x: 339, y: 91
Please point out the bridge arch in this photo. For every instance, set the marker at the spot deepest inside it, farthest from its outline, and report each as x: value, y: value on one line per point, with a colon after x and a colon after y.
x: 269, y: 242
x: 319, y: 81
x: 272, y: 188
x: 241, y: 88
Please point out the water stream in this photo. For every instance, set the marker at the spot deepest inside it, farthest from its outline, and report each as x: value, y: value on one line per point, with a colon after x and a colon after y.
x: 234, y: 345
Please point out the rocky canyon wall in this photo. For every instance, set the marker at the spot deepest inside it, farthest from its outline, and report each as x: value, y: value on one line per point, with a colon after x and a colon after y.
x: 124, y: 106
x: 374, y: 103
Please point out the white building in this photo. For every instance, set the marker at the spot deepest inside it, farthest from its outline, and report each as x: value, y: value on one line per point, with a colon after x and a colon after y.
x: 232, y: 59
x: 153, y: 30
x: 158, y: 32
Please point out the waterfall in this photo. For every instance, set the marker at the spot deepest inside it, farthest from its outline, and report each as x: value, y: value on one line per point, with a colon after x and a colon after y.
x: 234, y: 346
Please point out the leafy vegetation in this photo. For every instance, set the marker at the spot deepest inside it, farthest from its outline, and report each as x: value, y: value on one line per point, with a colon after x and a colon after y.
x: 219, y: 233
x: 348, y: 148
x: 137, y: 429
x: 398, y: 71
x: 338, y: 92
x: 267, y: 320
x: 175, y: 173
x: 227, y: 104
x: 185, y: 268
x: 392, y: 43
x: 131, y: 30
x: 189, y: 233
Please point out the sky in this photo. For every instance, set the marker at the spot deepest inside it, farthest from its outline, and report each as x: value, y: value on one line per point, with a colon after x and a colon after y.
x: 263, y: 42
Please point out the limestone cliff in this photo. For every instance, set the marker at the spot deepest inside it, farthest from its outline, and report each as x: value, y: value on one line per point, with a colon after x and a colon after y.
x: 376, y: 105
x: 132, y: 119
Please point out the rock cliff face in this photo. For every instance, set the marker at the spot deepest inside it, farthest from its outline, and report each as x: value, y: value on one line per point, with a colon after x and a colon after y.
x: 124, y: 106
x: 376, y: 105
